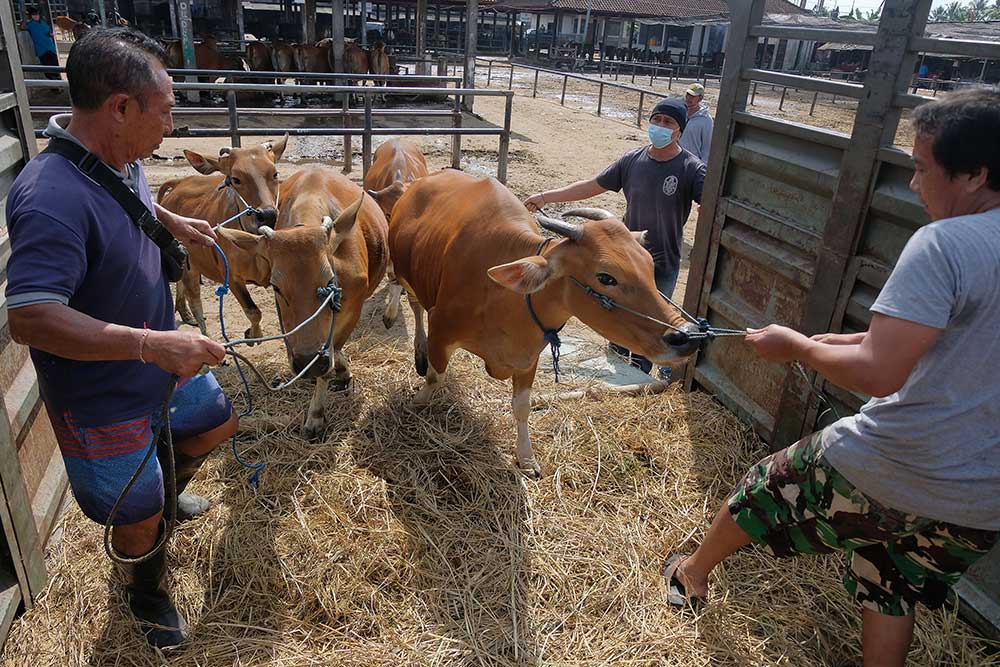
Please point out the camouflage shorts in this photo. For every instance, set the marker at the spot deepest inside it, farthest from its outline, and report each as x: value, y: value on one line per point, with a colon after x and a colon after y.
x: 796, y: 503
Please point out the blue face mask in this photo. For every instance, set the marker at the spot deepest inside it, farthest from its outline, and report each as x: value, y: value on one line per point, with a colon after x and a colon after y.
x: 660, y: 136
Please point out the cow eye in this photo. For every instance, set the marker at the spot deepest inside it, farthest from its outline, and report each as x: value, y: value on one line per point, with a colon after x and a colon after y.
x: 605, y: 279
x: 235, y: 181
x: 275, y: 175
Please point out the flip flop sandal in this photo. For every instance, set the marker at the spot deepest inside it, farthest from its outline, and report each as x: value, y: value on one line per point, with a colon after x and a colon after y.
x: 676, y: 594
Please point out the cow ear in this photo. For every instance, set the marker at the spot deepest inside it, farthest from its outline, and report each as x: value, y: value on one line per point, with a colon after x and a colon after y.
x: 525, y: 275
x: 201, y: 163
x: 386, y: 198
x: 641, y: 237
x: 342, y: 226
x: 277, y: 148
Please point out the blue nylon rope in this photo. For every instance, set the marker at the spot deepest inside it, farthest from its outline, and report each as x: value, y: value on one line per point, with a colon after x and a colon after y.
x: 221, y: 292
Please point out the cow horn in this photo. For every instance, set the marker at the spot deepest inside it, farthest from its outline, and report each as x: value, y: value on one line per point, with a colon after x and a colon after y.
x: 225, y: 150
x: 589, y: 213
x: 327, y: 224
x: 266, y: 232
x: 561, y: 227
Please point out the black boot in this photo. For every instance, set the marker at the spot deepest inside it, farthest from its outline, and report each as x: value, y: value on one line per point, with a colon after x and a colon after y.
x: 161, y: 623
x: 189, y: 505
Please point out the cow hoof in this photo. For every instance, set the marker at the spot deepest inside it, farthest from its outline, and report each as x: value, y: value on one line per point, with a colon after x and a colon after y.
x: 388, y: 321
x: 420, y: 361
x: 341, y: 384
x: 529, y: 468
x: 249, y: 334
x: 313, y: 429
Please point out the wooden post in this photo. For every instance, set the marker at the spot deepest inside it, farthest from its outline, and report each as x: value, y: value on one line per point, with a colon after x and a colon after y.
x: 421, y: 28
x: 556, y: 25
x: 308, y: 21
x: 511, y: 25
x: 363, y: 22
x: 175, y: 31
x: 366, y: 139
x: 471, y: 39
x: 187, y: 40
x: 348, y: 149
x: 234, y: 119
x: 538, y: 27
x: 337, y: 32
x: 456, y: 140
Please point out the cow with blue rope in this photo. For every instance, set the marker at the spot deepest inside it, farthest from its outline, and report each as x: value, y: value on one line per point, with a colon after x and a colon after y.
x: 239, y: 191
x: 330, y: 244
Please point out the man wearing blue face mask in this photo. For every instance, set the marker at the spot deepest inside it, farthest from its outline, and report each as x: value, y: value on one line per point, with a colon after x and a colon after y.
x: 660, y: 181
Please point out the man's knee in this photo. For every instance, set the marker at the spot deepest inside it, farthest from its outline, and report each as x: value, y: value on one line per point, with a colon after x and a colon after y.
x: 203, y: 443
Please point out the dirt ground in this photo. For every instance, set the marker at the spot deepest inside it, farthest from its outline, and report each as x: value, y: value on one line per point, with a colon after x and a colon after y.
x: 404, y: 537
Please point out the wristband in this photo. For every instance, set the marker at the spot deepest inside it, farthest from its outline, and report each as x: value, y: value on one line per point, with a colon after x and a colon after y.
x: 142, y: 341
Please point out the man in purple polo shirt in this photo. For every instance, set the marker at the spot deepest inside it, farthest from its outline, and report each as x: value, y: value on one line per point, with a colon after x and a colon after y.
x: 87, y: 293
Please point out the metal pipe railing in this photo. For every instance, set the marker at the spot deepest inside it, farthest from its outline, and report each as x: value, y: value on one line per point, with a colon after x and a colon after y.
x: 303, y: 76
x: 235, y: 132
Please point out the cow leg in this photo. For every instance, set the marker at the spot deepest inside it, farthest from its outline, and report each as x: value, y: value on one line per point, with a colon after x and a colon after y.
x: 438, y: 352
x: 419, y: 337
x: 316, y: 415
x: 520, y: 403
x: 250, y: 309
x: 341, y: 371
x: 192, y: 293
x: 181, y: 301
x: 392, y: 303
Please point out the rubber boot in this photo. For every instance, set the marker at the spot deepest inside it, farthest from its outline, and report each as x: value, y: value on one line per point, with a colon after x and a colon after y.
x: 161, y: 624
x: 189, y: 505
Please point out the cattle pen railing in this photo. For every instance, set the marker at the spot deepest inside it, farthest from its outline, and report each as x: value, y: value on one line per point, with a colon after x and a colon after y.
x: 366, y: 130
x: 566, y: 76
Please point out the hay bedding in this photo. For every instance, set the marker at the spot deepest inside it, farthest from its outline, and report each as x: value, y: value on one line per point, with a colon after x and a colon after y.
x: 407, y: 538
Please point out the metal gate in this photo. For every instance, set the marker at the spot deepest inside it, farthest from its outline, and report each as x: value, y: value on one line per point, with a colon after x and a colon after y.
x: 32, y: 477
x: 801, y: 225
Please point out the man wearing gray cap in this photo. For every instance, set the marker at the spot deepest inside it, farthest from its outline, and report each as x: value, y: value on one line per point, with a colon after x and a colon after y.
x: 697, y: 137
x: 660, y: 181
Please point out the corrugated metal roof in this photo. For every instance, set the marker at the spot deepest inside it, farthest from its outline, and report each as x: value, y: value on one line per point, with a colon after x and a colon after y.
x: 664, y: 9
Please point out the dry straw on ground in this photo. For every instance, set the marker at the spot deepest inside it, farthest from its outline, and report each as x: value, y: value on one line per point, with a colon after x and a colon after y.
x: 407, y: 538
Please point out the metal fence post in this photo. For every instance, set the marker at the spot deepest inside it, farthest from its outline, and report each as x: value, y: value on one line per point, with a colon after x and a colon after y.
x: 633, y: 72
x: 753, y: 94
x: 534, y: 92
x: 670, y: 79
x: 781, y: 103
x: 366, y: 139
x: 638, y: 115
x: 456, y: 140
x: 505, y: 140
x: 348, y: 148
x: 234, y: 120
x: 600, y: 98
x: 562, y: 100
x: 812, y: 107
x: 489, y: 73
x: 510, y: 81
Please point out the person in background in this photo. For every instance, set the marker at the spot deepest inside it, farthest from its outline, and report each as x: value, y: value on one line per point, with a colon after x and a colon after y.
x: 660, y: 181
x: 42, y: 39
x: 909, y: 488
x: 697, y: 137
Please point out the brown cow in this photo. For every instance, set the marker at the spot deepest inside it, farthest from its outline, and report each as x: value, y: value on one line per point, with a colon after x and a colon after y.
x: 313, y: 58
x: 378, y: 63
x: 252, y: 177
x: 396, y: 164
x: 468, y: 252
x: 355, y: 62
x: 206, y: 56
x: 282, y: 56
x: 328, y: 233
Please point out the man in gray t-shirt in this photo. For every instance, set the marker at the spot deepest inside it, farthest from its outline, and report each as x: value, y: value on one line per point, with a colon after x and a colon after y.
x: 909, y: 487
x: 660, y: 181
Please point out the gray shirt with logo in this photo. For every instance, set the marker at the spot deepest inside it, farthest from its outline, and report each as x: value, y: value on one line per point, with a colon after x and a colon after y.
x: 658, y: 197
x: 933, y: 447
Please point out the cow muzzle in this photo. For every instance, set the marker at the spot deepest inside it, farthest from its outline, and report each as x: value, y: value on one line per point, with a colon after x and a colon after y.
x: 318, y: 369
x: 682, y: 343
x: 266, y: 217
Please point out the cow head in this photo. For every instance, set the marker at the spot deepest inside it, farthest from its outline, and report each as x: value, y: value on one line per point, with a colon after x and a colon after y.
x: 251, y: 172
x: 301, y: 261
x: 609, y: 259
x: 387, y: 197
